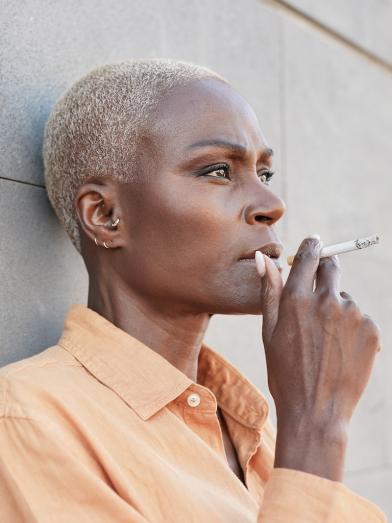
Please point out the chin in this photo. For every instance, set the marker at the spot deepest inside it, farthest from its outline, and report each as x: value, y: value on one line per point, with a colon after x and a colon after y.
x: 239, y: 305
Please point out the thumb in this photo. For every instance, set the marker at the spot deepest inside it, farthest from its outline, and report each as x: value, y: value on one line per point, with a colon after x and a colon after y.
x: 271, y: 291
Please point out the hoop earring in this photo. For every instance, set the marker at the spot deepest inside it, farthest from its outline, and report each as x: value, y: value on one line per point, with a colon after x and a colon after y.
x: 100, y: 245
x: 115, y: 223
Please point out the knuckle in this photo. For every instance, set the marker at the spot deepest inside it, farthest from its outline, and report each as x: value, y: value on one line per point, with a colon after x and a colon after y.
x: 331, y: 310
x: 330, y: 264
x: 350, y: 306
x: 329, y: 302
x: 371, y: 328
x: 353, y: 312
x: 325, y: 294
x: 297, y: 296
x: 305, y: 255
x: 367, y: 322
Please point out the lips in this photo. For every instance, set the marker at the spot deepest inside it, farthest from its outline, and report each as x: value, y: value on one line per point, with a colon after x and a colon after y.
x: 273, y: 250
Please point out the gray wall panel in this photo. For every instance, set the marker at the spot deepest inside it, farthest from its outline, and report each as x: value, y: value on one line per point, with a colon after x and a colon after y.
x: 41, y: 273
x: 367, y: 23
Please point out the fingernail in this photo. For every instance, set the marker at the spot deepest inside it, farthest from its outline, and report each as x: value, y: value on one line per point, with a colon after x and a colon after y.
x: 260, y: 263
x: 314, y: 236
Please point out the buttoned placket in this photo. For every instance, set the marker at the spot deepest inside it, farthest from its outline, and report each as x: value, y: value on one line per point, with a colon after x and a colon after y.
x: 200, y: 415
x: 199, y: 407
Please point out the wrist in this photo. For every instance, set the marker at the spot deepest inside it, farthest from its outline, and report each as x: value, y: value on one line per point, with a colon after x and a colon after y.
x: 312, y: 447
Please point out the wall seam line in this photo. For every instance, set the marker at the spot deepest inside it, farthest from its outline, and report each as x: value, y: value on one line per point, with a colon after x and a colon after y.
x: 22, y: 181
x: 332, y: 33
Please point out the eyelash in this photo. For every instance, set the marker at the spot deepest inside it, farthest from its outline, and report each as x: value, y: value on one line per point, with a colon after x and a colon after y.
x: 225, y: 167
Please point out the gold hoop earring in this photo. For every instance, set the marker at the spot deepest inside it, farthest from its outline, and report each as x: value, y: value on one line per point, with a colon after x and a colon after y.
x: 103, y: 243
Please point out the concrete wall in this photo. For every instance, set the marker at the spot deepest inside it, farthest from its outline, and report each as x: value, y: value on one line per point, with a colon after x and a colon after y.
x: 319, y: 75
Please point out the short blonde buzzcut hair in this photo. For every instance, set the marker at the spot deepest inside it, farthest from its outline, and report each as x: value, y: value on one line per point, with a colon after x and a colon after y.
x: 94, y: 128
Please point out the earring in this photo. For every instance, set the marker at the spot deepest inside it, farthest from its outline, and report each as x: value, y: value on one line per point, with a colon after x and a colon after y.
x: 115, y: 223
x: 103, y: 244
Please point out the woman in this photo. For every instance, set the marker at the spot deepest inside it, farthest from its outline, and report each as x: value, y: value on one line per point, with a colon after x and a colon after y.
x: 159, y: 172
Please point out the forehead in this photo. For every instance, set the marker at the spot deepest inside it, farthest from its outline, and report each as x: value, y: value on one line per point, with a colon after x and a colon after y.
x: 205, y: 109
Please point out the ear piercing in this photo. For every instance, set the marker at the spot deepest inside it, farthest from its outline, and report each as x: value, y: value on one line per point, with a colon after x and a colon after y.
x: 113, y: 225
x: 99, y: 245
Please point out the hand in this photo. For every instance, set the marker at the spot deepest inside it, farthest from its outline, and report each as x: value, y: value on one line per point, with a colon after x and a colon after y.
x: 319, y: 348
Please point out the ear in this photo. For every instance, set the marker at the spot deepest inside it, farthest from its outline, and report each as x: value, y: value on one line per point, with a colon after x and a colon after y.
x: 97, y: 207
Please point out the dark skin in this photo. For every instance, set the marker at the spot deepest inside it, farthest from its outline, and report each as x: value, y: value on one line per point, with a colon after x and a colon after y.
x: 174, y: 260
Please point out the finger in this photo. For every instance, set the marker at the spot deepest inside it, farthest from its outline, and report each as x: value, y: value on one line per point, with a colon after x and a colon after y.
x: 305, y: 265
x: 348, y: 303
x: 328, y: 276
x: 272, y: 285
x: 376, y: 330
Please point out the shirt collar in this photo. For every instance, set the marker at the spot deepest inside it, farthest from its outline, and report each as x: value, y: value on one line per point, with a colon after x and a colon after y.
x: 145, y: 380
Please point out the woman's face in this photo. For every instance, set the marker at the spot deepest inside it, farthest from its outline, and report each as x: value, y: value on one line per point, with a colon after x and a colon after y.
x: 200, y: 203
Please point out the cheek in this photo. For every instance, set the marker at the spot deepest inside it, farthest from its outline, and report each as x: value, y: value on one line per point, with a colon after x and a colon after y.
x: 175, y: 251
x: 194, y: 229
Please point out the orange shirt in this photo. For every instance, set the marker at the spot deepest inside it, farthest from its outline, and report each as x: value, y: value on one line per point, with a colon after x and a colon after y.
x: 100, y: 428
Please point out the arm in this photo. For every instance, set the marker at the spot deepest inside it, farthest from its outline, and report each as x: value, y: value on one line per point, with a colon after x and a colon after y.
x: 319, y: 352
x: 42, y: 481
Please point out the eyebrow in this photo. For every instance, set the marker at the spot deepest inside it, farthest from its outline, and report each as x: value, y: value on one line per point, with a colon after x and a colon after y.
x: 234, y: 147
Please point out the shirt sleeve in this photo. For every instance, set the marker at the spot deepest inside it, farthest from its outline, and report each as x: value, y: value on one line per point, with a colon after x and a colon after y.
x: 296, y: 496
x: 43, y: 481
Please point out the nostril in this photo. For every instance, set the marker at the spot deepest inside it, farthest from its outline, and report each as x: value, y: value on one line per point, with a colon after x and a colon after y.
x: 263, y: 219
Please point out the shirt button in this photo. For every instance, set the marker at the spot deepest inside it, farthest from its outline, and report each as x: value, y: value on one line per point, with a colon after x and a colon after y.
x: 193, y: 400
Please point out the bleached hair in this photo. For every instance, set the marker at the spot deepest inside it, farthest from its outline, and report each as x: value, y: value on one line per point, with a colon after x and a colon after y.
x: 94, y: 128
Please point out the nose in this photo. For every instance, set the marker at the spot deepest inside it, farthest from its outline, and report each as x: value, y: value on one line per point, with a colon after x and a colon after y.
x: 264, y: 207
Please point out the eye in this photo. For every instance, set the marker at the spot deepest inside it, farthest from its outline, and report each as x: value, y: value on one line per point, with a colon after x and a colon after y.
x: 217, y: 171
x: 265, y: 176
x: 222, y: 171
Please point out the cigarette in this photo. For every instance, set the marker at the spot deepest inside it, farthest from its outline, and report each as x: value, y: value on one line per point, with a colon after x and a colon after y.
x: 340, y: 248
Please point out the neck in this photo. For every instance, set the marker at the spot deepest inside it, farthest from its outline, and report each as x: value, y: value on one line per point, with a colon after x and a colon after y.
x: 176, y: 337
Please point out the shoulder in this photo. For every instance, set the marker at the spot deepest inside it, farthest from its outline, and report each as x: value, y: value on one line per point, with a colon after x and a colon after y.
x: 27, y: 385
